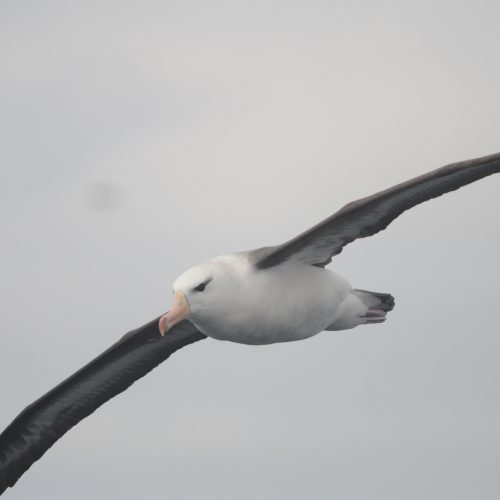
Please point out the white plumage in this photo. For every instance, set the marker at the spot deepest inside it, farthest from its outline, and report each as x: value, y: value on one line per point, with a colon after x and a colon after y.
x: 292, y: 301
x: 272, y: 294
x: 284, y: 293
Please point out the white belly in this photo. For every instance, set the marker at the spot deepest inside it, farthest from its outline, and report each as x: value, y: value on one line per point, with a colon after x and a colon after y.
x: 280, y: 304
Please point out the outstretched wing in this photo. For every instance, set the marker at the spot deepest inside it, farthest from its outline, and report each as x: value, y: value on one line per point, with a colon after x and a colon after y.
x: 372, y: 214
x: 43, y: 422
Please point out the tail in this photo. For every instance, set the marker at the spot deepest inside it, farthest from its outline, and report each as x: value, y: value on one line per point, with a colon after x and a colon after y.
x: 378, y: 305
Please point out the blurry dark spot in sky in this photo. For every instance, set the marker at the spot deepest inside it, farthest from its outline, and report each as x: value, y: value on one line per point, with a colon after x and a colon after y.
x: 102, y: 196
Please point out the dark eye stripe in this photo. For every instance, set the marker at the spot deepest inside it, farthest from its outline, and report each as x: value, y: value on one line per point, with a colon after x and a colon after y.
x: 202, y: 286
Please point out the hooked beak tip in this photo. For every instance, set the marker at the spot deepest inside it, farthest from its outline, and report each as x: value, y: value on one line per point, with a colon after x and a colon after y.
x: 163, y: 325
x: 178, y: 312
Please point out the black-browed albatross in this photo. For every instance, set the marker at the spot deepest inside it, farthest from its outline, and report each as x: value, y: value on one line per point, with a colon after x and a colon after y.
x: 272, y: 294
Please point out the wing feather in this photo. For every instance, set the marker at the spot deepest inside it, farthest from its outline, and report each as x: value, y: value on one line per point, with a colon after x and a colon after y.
x: 368, y: 216
x: 43, y: 422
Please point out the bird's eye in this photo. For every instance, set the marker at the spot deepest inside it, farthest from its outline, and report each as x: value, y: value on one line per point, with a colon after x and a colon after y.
x: 202, y: 286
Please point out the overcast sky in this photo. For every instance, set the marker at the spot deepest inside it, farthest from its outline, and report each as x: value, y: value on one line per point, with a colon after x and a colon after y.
x: 140, y: 138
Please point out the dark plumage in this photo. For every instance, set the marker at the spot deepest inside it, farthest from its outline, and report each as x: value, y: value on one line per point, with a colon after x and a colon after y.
x: 43, y: 422
x: 368, y: 216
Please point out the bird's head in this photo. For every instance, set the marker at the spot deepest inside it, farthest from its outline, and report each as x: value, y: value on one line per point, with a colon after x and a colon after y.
x: 191, y: 290
x: 200, y: 291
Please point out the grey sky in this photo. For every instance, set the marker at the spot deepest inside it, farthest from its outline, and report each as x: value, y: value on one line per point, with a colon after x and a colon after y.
x: 139, y: 138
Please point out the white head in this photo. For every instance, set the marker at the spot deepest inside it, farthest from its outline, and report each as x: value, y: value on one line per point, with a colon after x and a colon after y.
x: 200, y: 292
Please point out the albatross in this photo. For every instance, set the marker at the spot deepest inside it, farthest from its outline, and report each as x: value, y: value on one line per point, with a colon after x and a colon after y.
x: 273, y: 294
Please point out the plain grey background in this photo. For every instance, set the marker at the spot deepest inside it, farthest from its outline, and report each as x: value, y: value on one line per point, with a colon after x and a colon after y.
x: 140, y: 138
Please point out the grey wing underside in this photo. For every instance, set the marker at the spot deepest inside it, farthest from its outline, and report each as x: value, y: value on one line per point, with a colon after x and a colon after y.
x: 43, y: 422
x: 368, y: 216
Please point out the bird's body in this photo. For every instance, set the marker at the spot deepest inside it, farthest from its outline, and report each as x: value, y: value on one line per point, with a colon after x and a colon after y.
x: 291, y: 301
x: 273, y: 294
x: 252, y: 306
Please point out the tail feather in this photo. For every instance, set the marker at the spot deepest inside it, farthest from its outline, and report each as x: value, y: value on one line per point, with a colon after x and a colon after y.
x: 378, y: 304
x: 362, y: 307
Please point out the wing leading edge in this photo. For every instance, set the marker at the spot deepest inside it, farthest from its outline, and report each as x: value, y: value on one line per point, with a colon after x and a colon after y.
x: 43, y: 422
x: 368, y: 216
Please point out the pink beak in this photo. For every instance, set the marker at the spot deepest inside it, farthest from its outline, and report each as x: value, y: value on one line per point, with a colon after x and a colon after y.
x: 178, y: 312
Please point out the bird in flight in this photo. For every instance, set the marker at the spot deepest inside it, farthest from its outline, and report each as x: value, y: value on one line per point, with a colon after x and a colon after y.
x: 273, y: 294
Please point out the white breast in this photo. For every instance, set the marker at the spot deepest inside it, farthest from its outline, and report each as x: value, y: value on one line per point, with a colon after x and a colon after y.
x: 283, y: 303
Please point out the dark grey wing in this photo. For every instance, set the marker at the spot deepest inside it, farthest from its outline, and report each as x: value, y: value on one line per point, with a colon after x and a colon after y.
x: 372, y: 214
x: 43, y: 422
